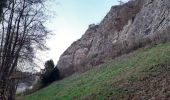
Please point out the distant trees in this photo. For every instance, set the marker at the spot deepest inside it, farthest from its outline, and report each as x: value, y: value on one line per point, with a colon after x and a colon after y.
x: 22, y: 32
x: 50, y: 73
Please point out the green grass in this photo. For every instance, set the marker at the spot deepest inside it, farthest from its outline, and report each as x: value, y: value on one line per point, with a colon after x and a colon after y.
x: 107, y: 80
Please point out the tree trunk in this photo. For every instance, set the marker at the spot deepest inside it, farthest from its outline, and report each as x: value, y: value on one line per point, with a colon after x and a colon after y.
x: 7, y: 89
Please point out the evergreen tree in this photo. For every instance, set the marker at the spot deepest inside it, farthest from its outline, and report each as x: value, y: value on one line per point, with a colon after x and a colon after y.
x: 50, y: 73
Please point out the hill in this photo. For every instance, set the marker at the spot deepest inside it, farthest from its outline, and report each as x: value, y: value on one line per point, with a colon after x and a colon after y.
x: 126, y: 56
x: 142, y: 74
x: 126, y: 27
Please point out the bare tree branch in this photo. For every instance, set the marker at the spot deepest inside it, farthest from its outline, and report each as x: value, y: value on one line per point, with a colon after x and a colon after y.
x: 22, y: 33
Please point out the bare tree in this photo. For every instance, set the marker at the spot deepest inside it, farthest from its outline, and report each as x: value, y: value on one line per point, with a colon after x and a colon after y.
x: 22, y: 32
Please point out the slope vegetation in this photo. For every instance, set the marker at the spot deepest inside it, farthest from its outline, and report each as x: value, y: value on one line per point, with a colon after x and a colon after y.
x: 142, y: 74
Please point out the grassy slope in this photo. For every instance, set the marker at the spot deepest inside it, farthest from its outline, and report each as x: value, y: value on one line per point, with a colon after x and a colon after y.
x: 124, y: 77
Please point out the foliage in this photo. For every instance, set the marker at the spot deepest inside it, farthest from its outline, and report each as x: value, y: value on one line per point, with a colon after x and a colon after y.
x: 50, y: 73
x: 104, y: 82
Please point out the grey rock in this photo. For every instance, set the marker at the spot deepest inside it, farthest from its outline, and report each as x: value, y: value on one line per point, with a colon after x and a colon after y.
x: 123, y: 29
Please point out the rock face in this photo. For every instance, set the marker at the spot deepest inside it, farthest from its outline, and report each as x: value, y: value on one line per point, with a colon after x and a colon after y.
x: 125, y: 28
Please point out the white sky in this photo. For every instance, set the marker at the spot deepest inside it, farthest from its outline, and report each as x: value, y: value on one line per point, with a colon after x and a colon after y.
x: 71, y: 21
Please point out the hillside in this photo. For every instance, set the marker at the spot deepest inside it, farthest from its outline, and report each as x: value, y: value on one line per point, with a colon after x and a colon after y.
x: 125, y: 28
x: 142, y: 74
x: 126, y: 56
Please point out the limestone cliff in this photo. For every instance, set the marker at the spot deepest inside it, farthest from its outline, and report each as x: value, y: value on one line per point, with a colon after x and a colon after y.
x: 125, y: 28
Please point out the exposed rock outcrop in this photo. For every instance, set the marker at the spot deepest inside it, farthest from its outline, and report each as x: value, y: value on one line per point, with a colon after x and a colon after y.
x: 124, y: 28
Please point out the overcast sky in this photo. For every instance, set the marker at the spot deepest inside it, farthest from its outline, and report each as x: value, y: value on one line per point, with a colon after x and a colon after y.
x: 71, y: 21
